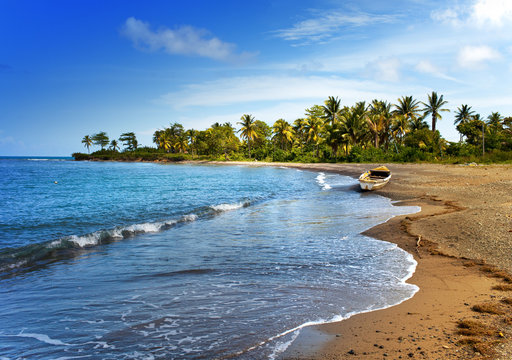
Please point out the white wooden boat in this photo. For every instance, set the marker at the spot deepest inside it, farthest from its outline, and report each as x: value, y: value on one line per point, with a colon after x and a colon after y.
x: 375, y: 178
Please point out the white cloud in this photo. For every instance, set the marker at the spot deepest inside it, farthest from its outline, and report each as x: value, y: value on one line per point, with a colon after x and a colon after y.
x: 492, y: 12
x: 451, y: 16
x: 386, y: 69
x: 474, y: 57
x: 482, y: 13
x: 326, y: 26
x: 426, y: 67
x: 184, y: 40
x: 252, y: 90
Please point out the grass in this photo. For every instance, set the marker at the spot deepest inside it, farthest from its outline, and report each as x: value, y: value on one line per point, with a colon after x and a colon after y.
x: 507, y: 301
x: 495, y: 272
x: 503, y: 287
x: 488, y: 308
x: 474, y: 328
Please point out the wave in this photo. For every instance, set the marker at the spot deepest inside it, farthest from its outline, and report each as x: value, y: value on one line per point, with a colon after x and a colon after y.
x: 320, y: 179
x: 68, y: 246
x: 230, y: 207
x: 279, y: 349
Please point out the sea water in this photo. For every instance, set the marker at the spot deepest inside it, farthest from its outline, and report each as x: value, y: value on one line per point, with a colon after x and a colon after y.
x: 108, y: 260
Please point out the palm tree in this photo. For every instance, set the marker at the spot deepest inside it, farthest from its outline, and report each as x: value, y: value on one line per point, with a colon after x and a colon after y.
x: 87, y: 141
x: 434, y: 106
x: 463, y: 115
x: 418, y: 123
x: 378, y: 119
x: 314, y: 128
x: 332, y: 109
x: 400, y: 126
x: 283, y: 132
x: 408, y: 108
x: 248, y: 130
x: 495, y: 120
x: 299, y: 127
x: 114, y: 145
x: 165, y: 141
x: 354, y: 124
x: 334, y: 137
x: 192, y: 138
x: 100, y: 139
x: 181, y: 143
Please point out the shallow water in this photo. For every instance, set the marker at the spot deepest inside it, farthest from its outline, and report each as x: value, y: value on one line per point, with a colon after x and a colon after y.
x: 136, y: 261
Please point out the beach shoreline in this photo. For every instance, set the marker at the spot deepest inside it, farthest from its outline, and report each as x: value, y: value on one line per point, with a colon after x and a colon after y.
x: 459, y: 258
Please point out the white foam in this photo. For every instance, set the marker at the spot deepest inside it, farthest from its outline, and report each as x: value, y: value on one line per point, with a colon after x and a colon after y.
x: 229, y: 207
x: 43, y: 338
x: 320, y: 179
x: 189, y: 217
x: 144, y: 228
x: 85, y: 240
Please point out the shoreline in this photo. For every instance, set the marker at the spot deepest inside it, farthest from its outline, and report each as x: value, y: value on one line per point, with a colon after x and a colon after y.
x: 443, y: 237
x: 466, y: 213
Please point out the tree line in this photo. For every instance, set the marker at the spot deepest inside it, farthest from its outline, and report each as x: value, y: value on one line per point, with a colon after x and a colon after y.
x: 375, y: 131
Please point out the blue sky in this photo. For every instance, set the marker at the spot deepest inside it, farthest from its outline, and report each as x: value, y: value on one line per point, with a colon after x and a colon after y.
x: 72, y: 68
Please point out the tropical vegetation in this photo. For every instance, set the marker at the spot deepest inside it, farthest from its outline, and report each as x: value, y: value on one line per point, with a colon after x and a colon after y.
x: 364, y: 132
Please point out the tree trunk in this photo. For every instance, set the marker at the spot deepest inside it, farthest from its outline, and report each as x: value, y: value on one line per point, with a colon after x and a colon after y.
x: 433, y: 123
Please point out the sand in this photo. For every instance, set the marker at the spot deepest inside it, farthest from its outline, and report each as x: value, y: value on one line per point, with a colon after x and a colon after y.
x: 466, y: 214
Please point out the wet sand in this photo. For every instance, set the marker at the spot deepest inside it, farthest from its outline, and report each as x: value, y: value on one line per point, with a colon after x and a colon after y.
x: 462, y: 241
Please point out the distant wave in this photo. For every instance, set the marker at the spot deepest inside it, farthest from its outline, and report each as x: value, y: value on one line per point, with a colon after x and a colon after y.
x: 48, y: 159
x: 29, y: 255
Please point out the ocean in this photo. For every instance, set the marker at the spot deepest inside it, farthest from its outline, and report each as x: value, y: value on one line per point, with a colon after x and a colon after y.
x: 106, y: 260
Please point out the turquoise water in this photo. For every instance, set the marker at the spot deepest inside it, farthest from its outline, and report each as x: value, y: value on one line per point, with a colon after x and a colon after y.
x: 138, y: 260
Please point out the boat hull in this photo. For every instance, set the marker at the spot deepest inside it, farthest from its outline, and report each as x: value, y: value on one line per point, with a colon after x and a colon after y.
x: 369, y: 182
x: 373, y: 185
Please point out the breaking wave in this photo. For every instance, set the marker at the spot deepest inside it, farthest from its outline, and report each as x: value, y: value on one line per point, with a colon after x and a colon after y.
x: 320, y: 179
x: 68, y: 246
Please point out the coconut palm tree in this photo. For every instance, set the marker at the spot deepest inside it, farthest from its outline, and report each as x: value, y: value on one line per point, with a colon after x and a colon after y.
x: 283, y: 132
x: 299, y: 127
x: 181, y: 143
x: 495, y: 120
x: 434, y: 107
x: 400, y: 127
x: 354, y: 123
x: 463, y: 115
x: 114, y: 145
x: 165, y: 141
x: 332, y: 109
x: 378, y: 119
x: 315, y: 127
x: 87, y: 141
x: 408, y: 107
x: 192, y: 139
x: 248, y: 130
x: 334, y: 137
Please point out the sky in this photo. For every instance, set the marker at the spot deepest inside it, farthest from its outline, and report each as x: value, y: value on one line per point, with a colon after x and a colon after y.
x: 75, y: 68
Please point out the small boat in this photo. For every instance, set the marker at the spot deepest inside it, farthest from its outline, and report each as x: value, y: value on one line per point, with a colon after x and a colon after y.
x: 375, y: 178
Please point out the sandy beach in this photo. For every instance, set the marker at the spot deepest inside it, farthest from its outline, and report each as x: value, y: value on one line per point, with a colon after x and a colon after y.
x: 462, y: 241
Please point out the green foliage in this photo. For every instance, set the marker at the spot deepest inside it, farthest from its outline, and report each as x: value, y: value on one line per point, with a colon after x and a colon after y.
x: 129, y: 140
x: 374, y: 132
x: 101, y: 139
